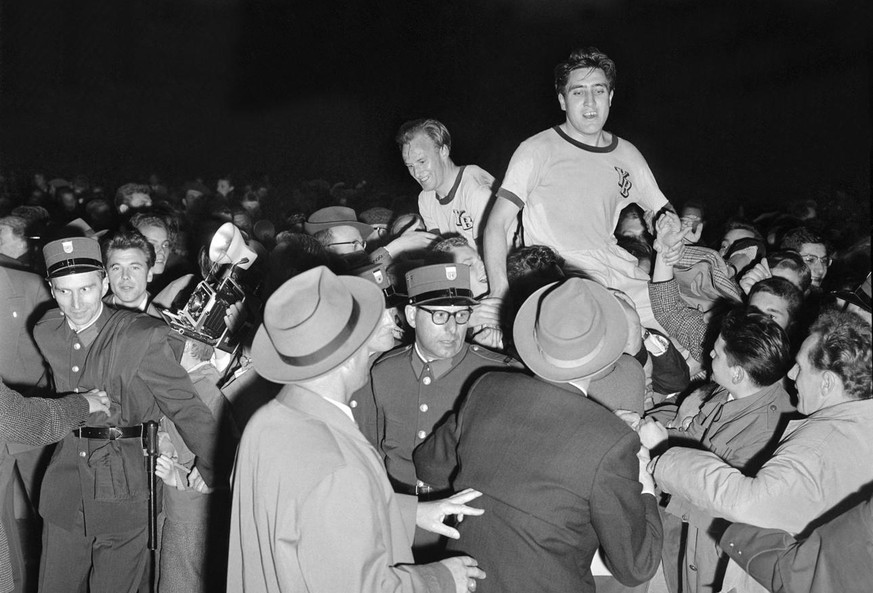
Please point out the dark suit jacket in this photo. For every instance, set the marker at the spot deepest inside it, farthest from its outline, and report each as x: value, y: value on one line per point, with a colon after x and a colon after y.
x: 131, y: 360
x: 24, y: 298
x: 559, y: 477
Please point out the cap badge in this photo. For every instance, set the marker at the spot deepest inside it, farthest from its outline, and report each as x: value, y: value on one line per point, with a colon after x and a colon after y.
x: 68, y: 246
x: 451, y: 272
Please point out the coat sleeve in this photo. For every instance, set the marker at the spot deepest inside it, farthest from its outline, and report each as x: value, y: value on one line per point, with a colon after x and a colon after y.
x: 341, y: 542
x: 626, y: 521
x: 786, y: 483
x: 36, y: 421
x: 838, y: 556
x: 176, y: 397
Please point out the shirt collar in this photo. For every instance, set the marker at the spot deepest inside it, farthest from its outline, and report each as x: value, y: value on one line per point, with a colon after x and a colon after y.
x: 439, y: 366
x: 345, y: 409
x: 90, y: 323
x: 447, y: 199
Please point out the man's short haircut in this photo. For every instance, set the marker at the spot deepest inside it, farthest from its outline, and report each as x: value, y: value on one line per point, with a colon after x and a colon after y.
x: 534, y: 260
x: 324, y: 237
x: 142, y: 219
x: 843, y: 347
x: 450, y: 243
x: 590, y: 57
x: 434, y: 129
x: 736, y: 224
x: 131, y: 239
x: 753, y: 341
x: 783, y: 289
x: 17, y: 224
x: 797, y: 238
x: 791, y: 260
x: 122, y: 196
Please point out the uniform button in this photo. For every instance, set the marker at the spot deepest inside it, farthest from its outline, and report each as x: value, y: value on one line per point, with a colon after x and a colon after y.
x: 419, y: 483
x: 475, y: 348
x: 423, y: 407
x: 76, y: 346
x: 731, y: 544
x: 772, y: 408
x: 421, y: 434
x: 82, y: 454
x: 75, y: 368
x: 15, y: 313
x: 426, y: 380
x: 685, y: 518
x: 353, y: 404
x: 692, y: 567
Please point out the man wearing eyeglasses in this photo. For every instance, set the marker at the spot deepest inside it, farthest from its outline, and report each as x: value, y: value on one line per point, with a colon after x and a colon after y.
x: 413, y: 388
x: 813, y: 249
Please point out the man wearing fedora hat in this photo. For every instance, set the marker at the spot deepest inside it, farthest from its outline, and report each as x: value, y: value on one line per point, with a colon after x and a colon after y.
x: 312, y: 506
x: 413, y: 388
x: 342, y: 234
x: 94, y: 493
x: 561, y: 476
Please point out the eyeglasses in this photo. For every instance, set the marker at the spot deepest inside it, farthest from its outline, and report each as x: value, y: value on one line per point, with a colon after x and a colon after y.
x: 356, y: 243
x: 441, y: 317
x: 810, y: 259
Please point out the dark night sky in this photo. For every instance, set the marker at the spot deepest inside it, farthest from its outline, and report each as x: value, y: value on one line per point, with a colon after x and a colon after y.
x: 729, y: 101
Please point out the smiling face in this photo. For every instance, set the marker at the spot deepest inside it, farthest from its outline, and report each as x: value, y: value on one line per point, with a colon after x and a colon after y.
x: 815, y: 256
x: 159, y: 240
x: 79, y: 296
x: 128, y: 274
x: 426, y: 162
x: 586, y: 101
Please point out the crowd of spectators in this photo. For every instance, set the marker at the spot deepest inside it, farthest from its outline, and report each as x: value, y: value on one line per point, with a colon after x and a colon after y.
x: 737, y: 344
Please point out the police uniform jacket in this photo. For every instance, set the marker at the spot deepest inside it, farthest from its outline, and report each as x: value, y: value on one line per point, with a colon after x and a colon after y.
x: 127, y: 354
x: 407, y: 397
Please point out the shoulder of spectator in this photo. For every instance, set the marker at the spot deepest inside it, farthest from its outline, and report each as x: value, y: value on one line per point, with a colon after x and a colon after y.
x: 495, y: 357
x: 393, y: 354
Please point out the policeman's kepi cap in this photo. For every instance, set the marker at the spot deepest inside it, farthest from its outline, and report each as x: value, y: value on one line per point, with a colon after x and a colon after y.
x: 378, y: 275
x: 440, y: 284
x: 75, y: 255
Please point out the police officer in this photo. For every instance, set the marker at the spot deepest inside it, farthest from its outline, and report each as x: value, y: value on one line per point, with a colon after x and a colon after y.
x: 94, y: 492
x: 413, y: 388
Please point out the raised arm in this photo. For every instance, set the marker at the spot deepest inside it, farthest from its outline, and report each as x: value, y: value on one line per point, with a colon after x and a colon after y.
x: 499, y: 222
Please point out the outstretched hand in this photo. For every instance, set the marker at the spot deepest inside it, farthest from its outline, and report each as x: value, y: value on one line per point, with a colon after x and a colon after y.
x: 670, y: 233
x: 430, y: 515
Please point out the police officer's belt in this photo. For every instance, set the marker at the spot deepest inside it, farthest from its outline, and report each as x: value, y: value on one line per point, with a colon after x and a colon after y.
x: 109, y: 433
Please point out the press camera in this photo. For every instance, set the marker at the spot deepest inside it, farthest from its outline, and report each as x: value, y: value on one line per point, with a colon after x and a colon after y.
x: 212, y: 311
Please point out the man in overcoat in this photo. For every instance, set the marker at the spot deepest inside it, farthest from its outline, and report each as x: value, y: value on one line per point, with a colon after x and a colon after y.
x: 313, y: 510
x: 559, y: 474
